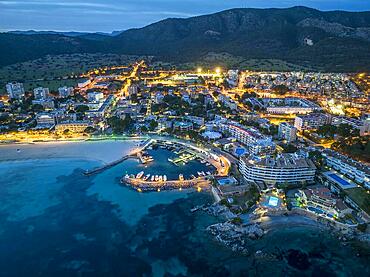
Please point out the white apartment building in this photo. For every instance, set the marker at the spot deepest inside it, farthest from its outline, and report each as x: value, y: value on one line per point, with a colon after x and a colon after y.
x: 287, y: 132
x: 362, y: 125
x: 311, y: 121
x: 84, y: 83
x: 289, y: 105
x: 95, y: 96
x: 285, y: 168
x: 45, y: 119
x: 15, y: 90
x: 65, y: 91
x: 251, y: 137
x: 41, y: 93
x: 47, y: 103
x: 354, y: 170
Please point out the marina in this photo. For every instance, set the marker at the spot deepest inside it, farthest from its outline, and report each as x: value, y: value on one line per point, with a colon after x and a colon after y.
x: 166, y: 165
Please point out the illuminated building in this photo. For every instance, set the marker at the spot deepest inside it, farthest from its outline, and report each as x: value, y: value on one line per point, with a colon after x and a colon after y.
x: 287, y: 132
x: 84, y: 83
x: 285, y: 168
x: 251, y: 137
x: 72, y: 126
x: 311, y: 121
x: 41, y: 93
x: 15, y: 90
x: 349, y: 167
x: 65, y: 91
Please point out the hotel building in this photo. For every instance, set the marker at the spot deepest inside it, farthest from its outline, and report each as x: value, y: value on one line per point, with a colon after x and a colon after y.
x: 354, y: 170
x: 285, y: 168
x: 251, y: 137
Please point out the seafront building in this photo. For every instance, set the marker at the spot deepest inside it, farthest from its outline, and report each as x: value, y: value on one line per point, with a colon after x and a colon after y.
x: 283, y: 169
x: 72, y: 126
x: 45, y: 120
x: 354, y: 170
x: 15, y: 90
x: 321, y: 201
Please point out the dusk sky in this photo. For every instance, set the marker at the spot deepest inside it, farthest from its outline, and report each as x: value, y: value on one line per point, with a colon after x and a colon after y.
x: 109, y: 15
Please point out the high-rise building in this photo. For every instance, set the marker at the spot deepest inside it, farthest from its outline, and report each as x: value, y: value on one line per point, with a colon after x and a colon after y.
x: 287, y: 132
x: 41, y: 93
x: 15, y: 90
x: 65, y: 91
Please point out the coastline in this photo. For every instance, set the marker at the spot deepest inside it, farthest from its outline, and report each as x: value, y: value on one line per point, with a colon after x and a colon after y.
x: 104, y: 151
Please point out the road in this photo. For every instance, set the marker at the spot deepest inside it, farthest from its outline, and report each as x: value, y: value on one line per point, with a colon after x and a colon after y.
x: 128, y: 79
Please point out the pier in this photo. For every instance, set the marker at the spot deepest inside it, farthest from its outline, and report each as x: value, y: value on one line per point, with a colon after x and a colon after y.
x: 106, y: 166
x: 136, y: 153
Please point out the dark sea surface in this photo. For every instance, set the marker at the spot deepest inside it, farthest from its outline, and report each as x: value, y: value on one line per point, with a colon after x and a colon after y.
x: 54, y: 221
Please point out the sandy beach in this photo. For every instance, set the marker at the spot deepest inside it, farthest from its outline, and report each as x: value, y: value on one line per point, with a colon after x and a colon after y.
x: 105, y: 151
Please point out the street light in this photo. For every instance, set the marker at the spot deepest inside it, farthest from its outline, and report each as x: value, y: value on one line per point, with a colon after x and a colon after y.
x: 218, y: 70
x: 199, y: 70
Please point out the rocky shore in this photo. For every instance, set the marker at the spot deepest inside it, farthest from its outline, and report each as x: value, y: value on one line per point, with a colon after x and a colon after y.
x: 234, y: 236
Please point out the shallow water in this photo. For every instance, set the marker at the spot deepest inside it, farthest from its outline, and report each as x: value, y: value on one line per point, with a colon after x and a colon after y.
x: 54, y: 221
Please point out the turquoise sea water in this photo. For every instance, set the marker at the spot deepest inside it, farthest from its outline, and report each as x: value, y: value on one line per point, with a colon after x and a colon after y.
x: 54, y: 221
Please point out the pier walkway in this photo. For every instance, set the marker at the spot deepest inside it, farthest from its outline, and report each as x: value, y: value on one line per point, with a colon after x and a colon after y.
x: 106, y: 166
x: 133, y: 154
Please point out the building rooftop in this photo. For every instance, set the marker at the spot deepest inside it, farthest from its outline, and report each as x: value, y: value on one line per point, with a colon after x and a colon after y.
x: 281, y: 161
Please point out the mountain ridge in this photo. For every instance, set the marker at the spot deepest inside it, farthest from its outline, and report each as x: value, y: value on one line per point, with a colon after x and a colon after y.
x: 333, y: 40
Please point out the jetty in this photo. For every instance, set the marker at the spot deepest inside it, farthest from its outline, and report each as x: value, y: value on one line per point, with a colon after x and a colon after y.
x: 136, y: 153
x: 107, y: 166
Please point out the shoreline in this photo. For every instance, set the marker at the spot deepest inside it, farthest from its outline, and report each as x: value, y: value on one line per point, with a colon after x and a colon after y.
x: 104, y: 151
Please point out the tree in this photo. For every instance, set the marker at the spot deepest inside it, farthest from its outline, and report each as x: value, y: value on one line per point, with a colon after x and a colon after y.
x: 289, y: 148
x: 237, y: 221
x: 327, y: 130
x: 90, y: 130
x: 344, y: 130
x: 362, y: 227
x: 247, y: 95
x: 280, y: 89
x: 82, y: 109
x: 152, y: 125
x: 37, y: 108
